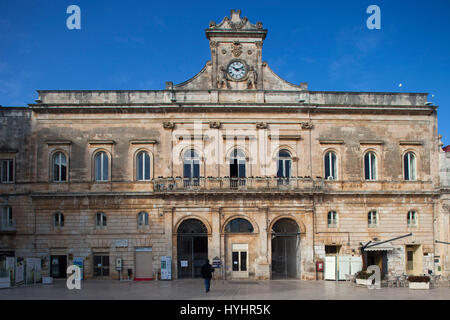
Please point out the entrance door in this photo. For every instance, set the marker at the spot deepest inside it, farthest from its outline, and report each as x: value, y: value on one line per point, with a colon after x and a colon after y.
x: 192, y: 248
x: 239, y: 260
x: 285, y: 238
x: 58, y: 267
x: 101, y: 265
x: 144, y: 268
x: 414, y: 259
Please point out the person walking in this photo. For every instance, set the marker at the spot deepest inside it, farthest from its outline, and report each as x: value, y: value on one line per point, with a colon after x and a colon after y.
x: 207, y: 271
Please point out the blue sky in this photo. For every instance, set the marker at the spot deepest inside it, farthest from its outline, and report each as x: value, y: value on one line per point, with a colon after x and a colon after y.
x: 141, y: 44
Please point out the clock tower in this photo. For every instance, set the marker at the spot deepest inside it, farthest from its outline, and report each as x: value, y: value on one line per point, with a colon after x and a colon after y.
x: 236, y: 53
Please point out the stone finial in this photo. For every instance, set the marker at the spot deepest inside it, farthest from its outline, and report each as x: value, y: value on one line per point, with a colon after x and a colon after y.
x: 440, y: 143
x: 168, y: 125
x: 307, y: 125
x: 169, y: 85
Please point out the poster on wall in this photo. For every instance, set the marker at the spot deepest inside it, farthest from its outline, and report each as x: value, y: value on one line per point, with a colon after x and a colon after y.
x: 33, y: 270
x: 20, y: 270
x: 166, y: 268
x: 78, y: 261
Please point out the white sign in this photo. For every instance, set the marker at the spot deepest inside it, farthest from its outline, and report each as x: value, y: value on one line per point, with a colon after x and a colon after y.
x: 184, y: 263
x: 122, y: 243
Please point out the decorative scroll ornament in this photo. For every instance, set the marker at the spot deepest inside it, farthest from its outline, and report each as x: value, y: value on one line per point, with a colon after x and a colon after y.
x: 215, y: 124
x: 168, y: 125
x: 252, y: 79
x: 236, y: 49
x: 222, y: 78
x: 262, y: 125
x: 213, y: 44
x: 307, y: 125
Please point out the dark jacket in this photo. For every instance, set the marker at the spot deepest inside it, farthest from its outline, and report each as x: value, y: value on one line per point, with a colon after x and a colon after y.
x: 207, y: 271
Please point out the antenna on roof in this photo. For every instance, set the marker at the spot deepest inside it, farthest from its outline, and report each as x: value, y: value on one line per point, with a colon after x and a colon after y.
x: 400, y: 85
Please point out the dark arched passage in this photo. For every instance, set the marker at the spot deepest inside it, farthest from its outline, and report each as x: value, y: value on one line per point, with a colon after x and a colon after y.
x: 192, y: 248
x: 285, y: 243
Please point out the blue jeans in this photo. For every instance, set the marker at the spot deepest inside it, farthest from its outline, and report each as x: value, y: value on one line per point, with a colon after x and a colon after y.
x: 207, y: 284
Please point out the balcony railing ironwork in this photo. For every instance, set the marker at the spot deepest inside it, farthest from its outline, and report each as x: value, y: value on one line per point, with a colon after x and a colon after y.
x: 254, y: 184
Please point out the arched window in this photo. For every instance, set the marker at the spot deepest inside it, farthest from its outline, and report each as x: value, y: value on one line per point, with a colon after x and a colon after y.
x: 370, y: 166
x: 412, y: 218
x: 191, y: 168
x: 100, y: 220
x: 59, y: 167
x: 284, y: 165
x: 332, y: 219
x: 372, y: 219
x: 58, y: 220
x: 101, y: 166
x: 330, y: 164
x: 143, y: 166
x: 239, y: 225
x: 192, y: 226
x: 409, y: 166
x: 237, y: 168
x: 143, y: 219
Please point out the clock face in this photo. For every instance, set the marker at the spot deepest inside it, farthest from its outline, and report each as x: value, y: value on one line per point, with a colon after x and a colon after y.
x: 237, y: 70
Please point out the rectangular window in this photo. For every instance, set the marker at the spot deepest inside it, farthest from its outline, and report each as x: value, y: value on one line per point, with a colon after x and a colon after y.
x: 410, y: 260
x: 7, y: 170
x: 235, y: 257
x: 7, y: 220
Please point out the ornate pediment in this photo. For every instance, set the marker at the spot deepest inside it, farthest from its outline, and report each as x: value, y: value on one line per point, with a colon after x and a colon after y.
x: 235, y: 22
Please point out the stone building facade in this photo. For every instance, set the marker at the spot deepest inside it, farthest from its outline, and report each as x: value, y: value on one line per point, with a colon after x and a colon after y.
x: 235, y: 164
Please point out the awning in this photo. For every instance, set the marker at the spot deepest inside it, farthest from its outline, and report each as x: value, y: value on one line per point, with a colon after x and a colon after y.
x: 387, y: 246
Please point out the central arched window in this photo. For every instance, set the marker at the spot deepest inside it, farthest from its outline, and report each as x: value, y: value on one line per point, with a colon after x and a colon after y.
x: 284, y: 165
x: 100, y: 220
x: 143, y: 166
x: 409, y: 166
x: 101, y: 163
x: 191, y: 168
x: 59, y: 167
x: 143, y: 219
x: 239, y: 225
x: 58, y: 220
x: 372, y: 219
x: 237, y: 168
x: 370, y: 166
x: 330, y: 164
x: 332, y: 219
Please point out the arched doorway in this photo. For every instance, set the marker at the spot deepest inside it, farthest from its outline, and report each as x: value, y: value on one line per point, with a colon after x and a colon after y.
x: 192, y: 248
x: 285, y: 244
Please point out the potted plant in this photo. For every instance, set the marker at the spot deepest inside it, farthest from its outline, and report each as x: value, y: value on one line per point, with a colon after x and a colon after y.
x: 362, y: 278
x: 419, y: 282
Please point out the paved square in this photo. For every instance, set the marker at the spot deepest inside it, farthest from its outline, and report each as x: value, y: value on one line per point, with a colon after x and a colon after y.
x: 193, y: 289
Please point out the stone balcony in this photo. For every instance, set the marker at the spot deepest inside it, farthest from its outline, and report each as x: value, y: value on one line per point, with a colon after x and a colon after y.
x: 239, y: 185
x: 218, y: 185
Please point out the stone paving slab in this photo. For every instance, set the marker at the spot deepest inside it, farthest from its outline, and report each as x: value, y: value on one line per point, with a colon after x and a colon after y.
x: 192, y: 289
